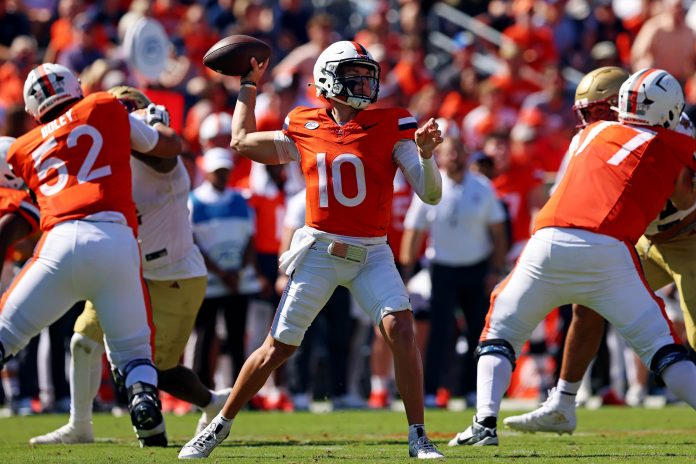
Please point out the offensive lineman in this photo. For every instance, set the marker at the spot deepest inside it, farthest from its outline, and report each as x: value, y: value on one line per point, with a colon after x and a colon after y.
x: 77, y: 163
x: 176, y: 278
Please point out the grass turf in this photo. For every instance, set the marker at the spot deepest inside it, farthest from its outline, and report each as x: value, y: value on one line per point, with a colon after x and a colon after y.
x: 616, y: 435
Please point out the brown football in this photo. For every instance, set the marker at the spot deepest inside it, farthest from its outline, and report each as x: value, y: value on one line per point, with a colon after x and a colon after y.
x: 230, y: 56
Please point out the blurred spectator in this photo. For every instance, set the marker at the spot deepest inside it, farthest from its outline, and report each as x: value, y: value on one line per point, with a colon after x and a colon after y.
x: 516, y: 79
x: 491, y: 115
x: 170, y: 14
x: 224, y: 229
x: 458, y: 81
x: 12, y: 72
x: 197, y: 34
x: 549, y: 112
x: 519, y: 185
x: 301, y: 60
x: 568, y: 32
x: 213, y: 97
x: 107, y: 13
x: 86, y: 47
x: 410, y: 72
x: 605, y: 54
x: 291, y: 24
x: 536, y: 42
x: 607, y: 27
x: 13, y: 23
x: 68, y: 29
x: 655, y: 45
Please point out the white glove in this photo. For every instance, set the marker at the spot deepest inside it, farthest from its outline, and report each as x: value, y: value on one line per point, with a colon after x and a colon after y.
x: 157, y: 113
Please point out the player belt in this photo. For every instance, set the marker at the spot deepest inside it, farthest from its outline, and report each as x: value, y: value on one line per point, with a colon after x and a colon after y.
x: 348, y: 252
x: 682, y: 226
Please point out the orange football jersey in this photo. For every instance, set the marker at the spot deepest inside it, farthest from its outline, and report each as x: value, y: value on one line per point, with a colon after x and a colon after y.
x: 618, y: 179
x: 269, y: 212
x: 513, y: 187
x: 19, y: 201
x: 349, y: 169
x: 79, y: 163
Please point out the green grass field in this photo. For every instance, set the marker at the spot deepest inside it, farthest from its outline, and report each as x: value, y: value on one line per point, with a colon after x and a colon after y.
x: 604, y: 435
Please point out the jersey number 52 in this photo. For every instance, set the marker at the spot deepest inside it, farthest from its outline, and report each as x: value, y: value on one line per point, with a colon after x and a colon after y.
x: 85, y: 174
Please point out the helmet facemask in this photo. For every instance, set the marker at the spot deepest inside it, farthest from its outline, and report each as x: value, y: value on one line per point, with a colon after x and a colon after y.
x: 356, y: 90
x: 334, y: 80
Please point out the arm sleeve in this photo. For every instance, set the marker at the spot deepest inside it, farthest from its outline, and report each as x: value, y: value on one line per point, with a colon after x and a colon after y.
x: 142, y: 136
x: 421, y: 173
x: 285, y: 147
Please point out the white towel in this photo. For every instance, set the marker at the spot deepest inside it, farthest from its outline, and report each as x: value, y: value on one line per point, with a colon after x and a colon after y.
x: 302, y: 239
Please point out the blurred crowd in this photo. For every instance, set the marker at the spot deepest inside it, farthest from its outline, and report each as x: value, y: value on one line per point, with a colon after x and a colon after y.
x: 502, y: 87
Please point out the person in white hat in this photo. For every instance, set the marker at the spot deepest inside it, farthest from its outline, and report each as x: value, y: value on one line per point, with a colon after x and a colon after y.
x: 224, y: 229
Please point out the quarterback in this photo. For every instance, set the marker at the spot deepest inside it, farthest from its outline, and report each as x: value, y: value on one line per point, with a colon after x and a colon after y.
x: 348, y: 155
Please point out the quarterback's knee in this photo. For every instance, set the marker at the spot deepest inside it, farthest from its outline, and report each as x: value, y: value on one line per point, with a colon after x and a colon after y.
x: 496, y: 346
x: 398, y: 328
x: 666, y: 356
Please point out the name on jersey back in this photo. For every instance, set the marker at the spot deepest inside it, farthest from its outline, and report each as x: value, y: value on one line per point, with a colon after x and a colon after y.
x: 56, y: 124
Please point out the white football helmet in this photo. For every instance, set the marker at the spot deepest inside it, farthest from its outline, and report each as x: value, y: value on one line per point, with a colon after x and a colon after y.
x: 47, y: 86
x: 7, y: 177
x: 330, y: 83
x: 651, y: 97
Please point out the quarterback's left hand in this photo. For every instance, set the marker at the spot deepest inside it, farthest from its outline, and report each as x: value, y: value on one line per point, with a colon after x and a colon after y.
x: 428, y: 136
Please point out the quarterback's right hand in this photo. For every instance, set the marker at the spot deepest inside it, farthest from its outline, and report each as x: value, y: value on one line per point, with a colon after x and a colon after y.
x: 257, y: 70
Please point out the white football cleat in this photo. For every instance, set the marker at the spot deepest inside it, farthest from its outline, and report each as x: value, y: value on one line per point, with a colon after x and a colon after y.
x: 423, y: 448
x: 65, y: 435
x: 218, y: 400
x: 205, y: 442
x: 476, y: 435
x: 549, y: 417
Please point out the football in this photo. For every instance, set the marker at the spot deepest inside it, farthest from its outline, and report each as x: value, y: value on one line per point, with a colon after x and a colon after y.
x: 230, y: 56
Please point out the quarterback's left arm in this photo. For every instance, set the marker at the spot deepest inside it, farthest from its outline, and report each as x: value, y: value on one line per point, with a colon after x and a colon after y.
x: 421, y: 173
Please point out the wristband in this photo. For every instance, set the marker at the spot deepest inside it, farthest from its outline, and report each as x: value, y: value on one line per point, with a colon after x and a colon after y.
x: 247, y: 84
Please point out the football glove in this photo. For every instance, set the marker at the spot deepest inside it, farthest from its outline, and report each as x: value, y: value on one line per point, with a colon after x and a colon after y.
x: 155, y: 114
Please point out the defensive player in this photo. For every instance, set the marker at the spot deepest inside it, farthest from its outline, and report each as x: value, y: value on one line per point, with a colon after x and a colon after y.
x: 582, y: 250
x: 349, y: 156
x: 77, y: 163
x: 666, y: 252
x: 19, y: 216
x: 176, y: 277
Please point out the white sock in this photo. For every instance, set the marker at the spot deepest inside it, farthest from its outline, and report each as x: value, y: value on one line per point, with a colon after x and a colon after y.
x: 566, y: 392
x: 415, y: 431
x: 493, y: 379
x: 680, y: 378
x: 378, y: 383
x: 85, y: 376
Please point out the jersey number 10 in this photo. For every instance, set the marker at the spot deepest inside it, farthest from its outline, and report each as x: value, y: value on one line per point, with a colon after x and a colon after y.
x: 336, y: 181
